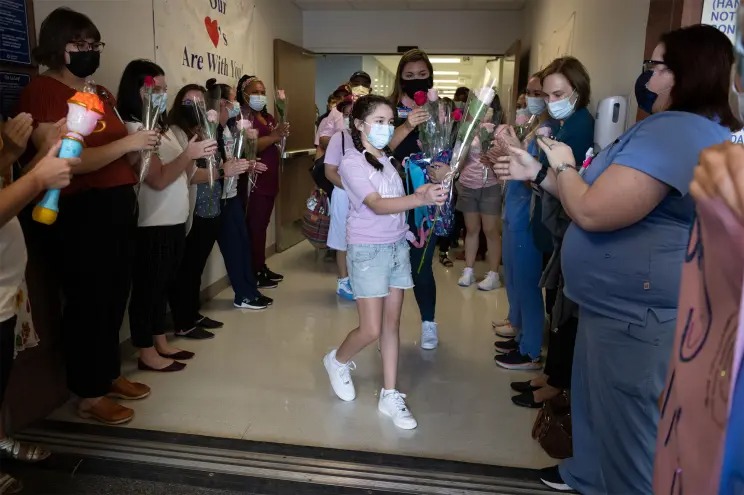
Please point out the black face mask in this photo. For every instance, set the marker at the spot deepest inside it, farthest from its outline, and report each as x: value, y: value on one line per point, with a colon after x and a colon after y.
x: 189, y: 115
x: 644, y: 96
x: 83, y: 64
x: 413, y: 86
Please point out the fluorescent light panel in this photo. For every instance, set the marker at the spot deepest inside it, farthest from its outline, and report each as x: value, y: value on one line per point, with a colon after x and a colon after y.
x: 446, y: 73
x: 446, y: 81
x: 445, y: 60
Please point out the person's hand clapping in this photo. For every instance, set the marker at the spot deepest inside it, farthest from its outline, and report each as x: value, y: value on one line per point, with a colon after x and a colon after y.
x: 432, y: 194
x: 720, y: 174
x: 518, y: 165
x: 200, y: 149
x: 143, y: 140
x: 417, y: 116
x: 558, y: 153
x: 235, y: 167
x: 50, y: 133
x: 257, y: 167
x: 52, y: 172
x: 16, y: 132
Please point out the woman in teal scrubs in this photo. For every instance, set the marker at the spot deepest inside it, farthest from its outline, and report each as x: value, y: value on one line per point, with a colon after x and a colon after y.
x: 623, y: 254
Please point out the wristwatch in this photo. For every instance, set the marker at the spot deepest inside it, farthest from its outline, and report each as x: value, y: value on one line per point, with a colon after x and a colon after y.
x: 562, y: 168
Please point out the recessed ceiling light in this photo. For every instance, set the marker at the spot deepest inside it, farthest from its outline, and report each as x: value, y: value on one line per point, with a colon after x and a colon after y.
x: 446, y: 81
x: 446, y: 73
x: 445, y: 60
x: 453, y: 88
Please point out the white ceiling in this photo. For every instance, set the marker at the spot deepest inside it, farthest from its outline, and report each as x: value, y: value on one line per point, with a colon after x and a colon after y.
x: 410, y: 4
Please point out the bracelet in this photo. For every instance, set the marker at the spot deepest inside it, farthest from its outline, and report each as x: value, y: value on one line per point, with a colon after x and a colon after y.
x: 563, y: 167
x: 541, y: 175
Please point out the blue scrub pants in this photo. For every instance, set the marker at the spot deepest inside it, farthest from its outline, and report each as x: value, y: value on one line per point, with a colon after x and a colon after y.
x: 619, y: 371
x: 235, y: 246
x: 522, y: 269
x: 732, y: 473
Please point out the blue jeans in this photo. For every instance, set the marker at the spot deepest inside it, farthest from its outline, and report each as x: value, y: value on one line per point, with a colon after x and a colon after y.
x: 235, y: 246
x: 425, y: 287
x: 523, y: 268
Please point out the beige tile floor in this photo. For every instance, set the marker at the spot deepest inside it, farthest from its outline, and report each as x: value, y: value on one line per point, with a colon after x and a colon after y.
x: 262, y: 377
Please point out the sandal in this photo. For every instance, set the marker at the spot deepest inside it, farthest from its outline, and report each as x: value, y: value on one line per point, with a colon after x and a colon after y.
x: 14, y: 449
x: 445, y: 260
x: 9, y: 485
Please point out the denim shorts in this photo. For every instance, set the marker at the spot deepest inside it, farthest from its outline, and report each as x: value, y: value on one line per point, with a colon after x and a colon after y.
x: 375, y: 268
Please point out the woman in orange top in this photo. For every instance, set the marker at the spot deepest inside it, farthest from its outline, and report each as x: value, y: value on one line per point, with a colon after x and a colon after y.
x: 91, y: 243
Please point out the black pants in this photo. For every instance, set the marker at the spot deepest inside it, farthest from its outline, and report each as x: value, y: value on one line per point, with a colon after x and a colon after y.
x: 184, y: 294
x: 559, y: 362
x: 446, y: 242
x: 156, y: 261
x: 550, y: 294
x: 96, y: 232
x: 7, y: 348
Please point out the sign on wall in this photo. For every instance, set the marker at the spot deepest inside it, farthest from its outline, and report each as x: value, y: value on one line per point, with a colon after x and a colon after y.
x: 722, y: 15
x: 196, y: 40
x: 14, y: 42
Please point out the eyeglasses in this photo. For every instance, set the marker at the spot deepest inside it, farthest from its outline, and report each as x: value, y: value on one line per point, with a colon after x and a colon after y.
x: 651, y: 65
x: 84, y: 46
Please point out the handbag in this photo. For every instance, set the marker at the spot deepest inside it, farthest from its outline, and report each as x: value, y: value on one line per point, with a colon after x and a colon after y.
x: 316, y: 221
x: 552, y: 428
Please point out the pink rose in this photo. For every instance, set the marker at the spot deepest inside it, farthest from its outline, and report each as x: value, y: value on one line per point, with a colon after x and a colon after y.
x: 280, y: 94
x: 489, y: 127
x: 457, y: 115
x: 420, y: 98
x: 213, y: 116
x: 245, y: 124
x: 251, y: 133
x: 432, y: 95
x: 522, y: 119
x: 544, y: 131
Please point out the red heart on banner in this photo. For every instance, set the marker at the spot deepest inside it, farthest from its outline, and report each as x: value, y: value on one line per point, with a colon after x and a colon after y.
x: 212, y: 30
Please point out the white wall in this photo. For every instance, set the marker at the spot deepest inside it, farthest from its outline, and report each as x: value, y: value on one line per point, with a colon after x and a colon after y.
x: 438, y: 32
x: 126, y: 27
x: 608, y: 37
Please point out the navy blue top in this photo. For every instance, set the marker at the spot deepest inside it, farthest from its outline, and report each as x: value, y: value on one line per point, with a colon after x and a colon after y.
x: 625, y: 273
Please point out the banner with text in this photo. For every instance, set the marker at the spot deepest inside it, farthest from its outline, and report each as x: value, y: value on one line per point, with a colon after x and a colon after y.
x: 196, y: 40
x: 722, y: 15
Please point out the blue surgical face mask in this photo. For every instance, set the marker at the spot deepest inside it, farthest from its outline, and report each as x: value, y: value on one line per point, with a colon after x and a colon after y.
x: 160, y: 100
x: 233, y: 110
x: 380, y: 135
x: 562, y: 109
x: 644, y: 96
x: 535, y: 105
x: 257, y: 102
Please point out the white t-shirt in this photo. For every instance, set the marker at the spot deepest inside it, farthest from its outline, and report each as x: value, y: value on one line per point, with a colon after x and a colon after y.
x: 171, y: 205
x: 12, y: 266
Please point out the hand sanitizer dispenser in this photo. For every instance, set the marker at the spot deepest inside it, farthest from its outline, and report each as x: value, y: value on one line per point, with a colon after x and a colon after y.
x: 609, y: 125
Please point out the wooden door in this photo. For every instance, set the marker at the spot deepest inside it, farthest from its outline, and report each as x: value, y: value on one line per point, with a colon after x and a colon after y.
x: 294, y: 72
x: 509, y: 85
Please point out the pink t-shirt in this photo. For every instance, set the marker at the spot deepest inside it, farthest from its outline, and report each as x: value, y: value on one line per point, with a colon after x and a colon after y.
x: 474, y: 171
x: 360, y: 179
x: 317, y: 132
x: 331, y: 124
x: 334, y: 153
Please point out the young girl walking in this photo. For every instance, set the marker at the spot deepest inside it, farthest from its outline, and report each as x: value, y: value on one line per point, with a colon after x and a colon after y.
x: 378, y: 254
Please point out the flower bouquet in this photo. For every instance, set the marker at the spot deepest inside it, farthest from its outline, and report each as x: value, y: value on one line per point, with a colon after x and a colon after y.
x: 150, y: 114
x: 523, y: 128
x: 476, y: 108
x: 208, y: 121
x: 242, y: 125
x: 281, y: 112
x: 251, y: 152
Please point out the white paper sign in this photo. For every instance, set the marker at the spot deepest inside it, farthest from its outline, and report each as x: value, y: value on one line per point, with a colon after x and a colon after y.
x: 722, y: 15
x: 196, y: 40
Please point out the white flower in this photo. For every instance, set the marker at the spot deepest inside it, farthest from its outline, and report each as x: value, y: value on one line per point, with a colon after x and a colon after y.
x: 213, y: 116
x: 486, y: 95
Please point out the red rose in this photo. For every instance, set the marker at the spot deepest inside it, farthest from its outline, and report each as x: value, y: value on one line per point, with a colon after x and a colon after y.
x: 149, y: 81
x: 457, y: 115
x: 420, y: 98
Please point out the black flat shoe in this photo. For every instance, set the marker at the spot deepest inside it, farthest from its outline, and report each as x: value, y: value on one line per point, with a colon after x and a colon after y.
x: 526, y: 399
x: 196, y: 333
x: 523, y: 387
x: 179, y: 356
x: 173, y: 367
x: 208, y: 323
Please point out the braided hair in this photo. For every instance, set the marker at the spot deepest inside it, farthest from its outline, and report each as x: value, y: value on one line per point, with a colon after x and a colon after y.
x: 362, y: 108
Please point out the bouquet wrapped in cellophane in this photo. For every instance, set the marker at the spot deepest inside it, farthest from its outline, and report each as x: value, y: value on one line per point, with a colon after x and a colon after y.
x: 251, y: 152
x: 281, y: 113
x: 150, y: 114
x: 208, y: 116
x: 241, y: 126
x: 476, y: 107
x: 435, y: 135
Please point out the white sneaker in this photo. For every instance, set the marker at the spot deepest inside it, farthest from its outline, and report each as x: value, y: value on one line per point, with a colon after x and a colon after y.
x: 491, y: 282
x: 393, y: 404
x: 429, y: 335
x: 344, y: 290
x: 467, y: 279
x: 340, y: 375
